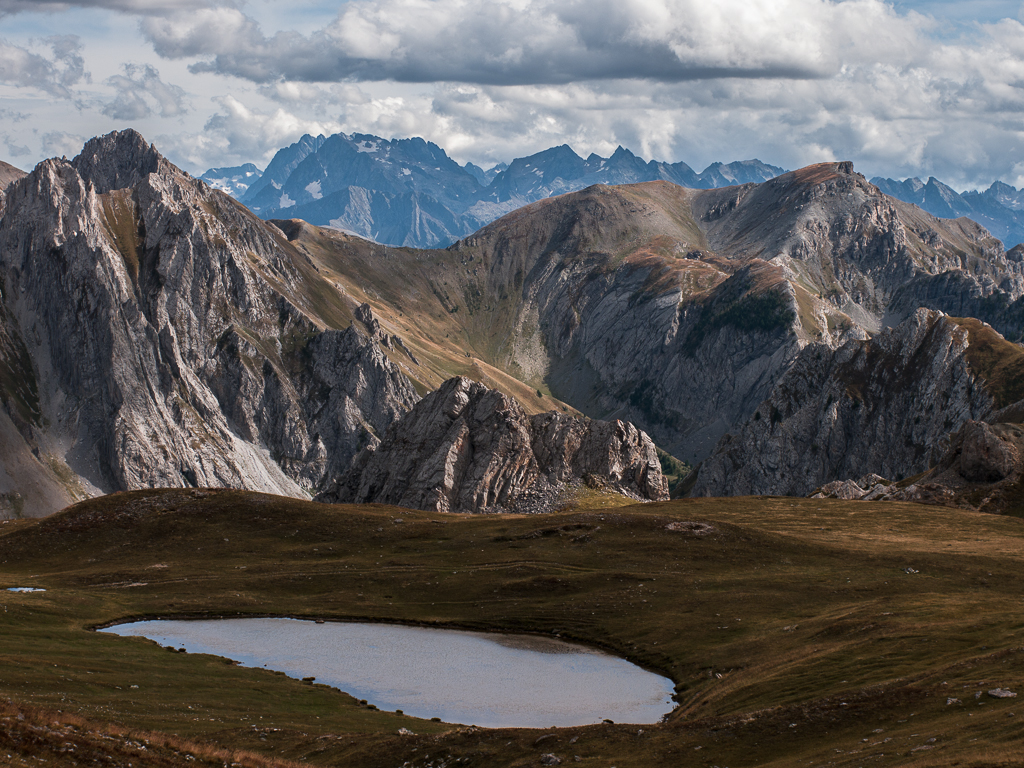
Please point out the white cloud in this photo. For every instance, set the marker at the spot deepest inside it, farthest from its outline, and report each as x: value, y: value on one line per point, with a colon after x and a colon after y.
x: 10, y: 7
x: 237, y: 133
x: 62, y: 144
x: 141, y: 93
x: 508, y: 42
x: 54, y: 74
x: 788, y: 81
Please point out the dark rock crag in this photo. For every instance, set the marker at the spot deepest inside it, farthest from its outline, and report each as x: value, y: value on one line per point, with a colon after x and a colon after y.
x: 982, y: 469
x: 874, y: 406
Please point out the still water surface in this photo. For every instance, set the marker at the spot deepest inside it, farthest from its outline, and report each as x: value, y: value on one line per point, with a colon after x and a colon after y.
x: 479, y: 678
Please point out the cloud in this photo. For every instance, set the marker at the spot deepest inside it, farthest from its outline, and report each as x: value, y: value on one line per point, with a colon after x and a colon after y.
x: 789, y: 81
x: 55, y: 74
x: 243, y: 133
x: 517, y: 42
x: 10, y: 7
x: 889, y: 121
x: 14, y: 149
x: 141, y: 93
x: 792, y: 80
x: 62, y: 144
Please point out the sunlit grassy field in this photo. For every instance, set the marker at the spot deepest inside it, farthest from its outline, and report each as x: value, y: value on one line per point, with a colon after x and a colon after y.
x: 798, y: 632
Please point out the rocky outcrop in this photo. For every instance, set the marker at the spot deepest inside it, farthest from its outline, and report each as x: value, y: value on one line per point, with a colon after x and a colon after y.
x: 981, y: 470
x: 9, y: 174
x: 165, y: 336
x: 877, y: 406
x: 468, y: 448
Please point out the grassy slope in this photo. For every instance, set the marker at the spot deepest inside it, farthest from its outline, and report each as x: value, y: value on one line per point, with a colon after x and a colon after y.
x: 458, y: 308
x: 998, y: 361
x: 792, y: 630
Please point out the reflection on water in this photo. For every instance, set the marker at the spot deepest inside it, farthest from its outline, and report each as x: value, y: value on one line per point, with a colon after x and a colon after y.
x: 536, y: 643
x: 492, y: 680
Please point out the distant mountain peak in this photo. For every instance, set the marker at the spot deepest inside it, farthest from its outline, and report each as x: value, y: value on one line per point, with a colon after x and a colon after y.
x: 1000, y: 208
x: 234, y: 180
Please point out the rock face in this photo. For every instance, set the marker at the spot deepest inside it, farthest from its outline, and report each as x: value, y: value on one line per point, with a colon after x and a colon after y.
x: 981, y: 470
x: 468, y: 448
x: 158, y: 334
x: 870, y: 406
x: 680, y: 310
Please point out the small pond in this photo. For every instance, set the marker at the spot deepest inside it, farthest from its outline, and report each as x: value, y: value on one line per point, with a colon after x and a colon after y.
x: 479, y: 678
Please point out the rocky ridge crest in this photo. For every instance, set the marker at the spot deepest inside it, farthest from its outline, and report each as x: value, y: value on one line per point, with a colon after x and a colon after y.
x: 467, y: 448
x: 680, y: 310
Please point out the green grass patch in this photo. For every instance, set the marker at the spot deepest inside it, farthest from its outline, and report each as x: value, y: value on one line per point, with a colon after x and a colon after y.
x: 766, y: 312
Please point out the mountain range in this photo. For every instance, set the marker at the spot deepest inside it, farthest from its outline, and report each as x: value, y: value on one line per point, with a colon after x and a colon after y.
x: 780, y: 335
x: 1000, y: 208
x: 409, y: 192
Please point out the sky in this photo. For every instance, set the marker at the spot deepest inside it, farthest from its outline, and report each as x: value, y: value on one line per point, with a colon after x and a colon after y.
x: 914, y: 88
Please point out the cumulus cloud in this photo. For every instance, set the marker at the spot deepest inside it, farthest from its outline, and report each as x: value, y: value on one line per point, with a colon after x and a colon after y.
x: 55, y: 74
x: 242, y: 132
x: 508, y: 42
x: 141, y: 93
x: 886, y: 120
x: 789, y: 81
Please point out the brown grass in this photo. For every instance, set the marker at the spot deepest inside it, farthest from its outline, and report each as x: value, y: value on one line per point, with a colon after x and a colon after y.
x: 57, y: 738
x: 815, y: 174
x: 999, y: 362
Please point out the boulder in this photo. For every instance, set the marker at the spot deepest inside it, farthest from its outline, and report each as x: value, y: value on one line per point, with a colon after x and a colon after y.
x: 985, y: 456
x: 840, y: 489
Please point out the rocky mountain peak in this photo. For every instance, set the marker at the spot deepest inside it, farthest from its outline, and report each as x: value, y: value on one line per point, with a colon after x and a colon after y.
x: 118, y: 160
x: 465, y: 447
x: 155, y: 333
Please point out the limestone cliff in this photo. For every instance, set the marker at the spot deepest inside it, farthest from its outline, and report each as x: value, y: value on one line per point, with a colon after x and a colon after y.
x: 159, y: 334
x: 878, y: 406
x: 468, y: 448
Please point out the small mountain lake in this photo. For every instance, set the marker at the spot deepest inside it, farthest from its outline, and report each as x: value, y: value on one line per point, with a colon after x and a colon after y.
x: 475, y: 678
